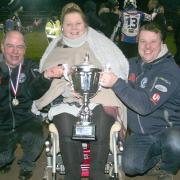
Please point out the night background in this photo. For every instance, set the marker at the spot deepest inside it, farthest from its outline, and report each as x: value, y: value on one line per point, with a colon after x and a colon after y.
x: 45, y: 8
x: 48, y: 5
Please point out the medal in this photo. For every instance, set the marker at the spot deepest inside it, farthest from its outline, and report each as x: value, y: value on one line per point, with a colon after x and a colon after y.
x: 15, y: 102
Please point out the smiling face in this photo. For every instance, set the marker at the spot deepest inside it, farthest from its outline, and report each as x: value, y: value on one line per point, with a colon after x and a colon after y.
x: 149, y: 45
x: 13, y: 48
x: 73, y: 25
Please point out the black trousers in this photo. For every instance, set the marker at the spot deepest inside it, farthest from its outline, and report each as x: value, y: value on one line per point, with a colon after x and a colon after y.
x: 30, y: 137
x: 72, y: 149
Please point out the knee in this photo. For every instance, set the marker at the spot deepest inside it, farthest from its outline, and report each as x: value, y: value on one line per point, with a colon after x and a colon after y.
x: 131, y: 167
x: 128, y: 168
x: 172, y: 140
x: 64, y: 123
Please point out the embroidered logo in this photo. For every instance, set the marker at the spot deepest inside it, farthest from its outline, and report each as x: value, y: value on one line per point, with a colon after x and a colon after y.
x: 22, y: 78
x: 132, y: 77
x: 144, y: 82
x: 165, y: 80
x: 155, y: 98
x: 161, y: 88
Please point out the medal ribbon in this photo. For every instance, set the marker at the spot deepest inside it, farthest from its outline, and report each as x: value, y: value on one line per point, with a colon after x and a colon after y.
x: 15, y: 89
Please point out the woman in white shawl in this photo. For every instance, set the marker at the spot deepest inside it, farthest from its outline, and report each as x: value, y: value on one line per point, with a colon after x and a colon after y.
x: 76, y: 41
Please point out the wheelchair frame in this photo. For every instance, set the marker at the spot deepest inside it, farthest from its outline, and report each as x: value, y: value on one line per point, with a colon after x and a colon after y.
x: 54, y: 163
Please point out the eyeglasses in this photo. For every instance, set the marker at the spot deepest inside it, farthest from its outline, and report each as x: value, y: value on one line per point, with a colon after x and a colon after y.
x: 18, y: 47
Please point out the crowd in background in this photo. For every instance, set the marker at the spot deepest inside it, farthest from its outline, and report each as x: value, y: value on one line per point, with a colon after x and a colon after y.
x: 107, y: 17
x: 151, y: 79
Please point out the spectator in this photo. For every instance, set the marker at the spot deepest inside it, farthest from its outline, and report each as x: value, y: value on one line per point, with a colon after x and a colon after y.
x: 103, y: 9
x: 17, y: 23
x: 20, y: 83
x: 152, y: 96
x: 91, y: 14
x: 9, y: 24
x: 110, y: 18
x: 176, y: 28
x: 129, y: 23
x: 36, y: 23
x: 52, y: 28
x: 155, y: 6
x: 77, y: 39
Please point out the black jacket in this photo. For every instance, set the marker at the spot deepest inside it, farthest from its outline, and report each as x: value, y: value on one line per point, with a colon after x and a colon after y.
x: 32, y: 85
x: 152, y: 95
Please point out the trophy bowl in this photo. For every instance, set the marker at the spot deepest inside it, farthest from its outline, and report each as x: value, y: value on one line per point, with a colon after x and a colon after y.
x: 85, y: 79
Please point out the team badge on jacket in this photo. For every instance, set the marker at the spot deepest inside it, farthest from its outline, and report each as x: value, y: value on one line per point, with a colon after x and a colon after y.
x: 144, y: 82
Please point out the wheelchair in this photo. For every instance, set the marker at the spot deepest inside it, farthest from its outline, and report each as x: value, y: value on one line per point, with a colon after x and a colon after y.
x: 54, y: 163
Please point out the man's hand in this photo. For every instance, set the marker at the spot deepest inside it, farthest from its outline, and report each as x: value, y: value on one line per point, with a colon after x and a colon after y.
x: 54, y: 72
x: 108, y: 79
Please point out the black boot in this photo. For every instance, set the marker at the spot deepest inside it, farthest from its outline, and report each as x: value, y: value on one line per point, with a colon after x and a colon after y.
x: 99, y: 149
x: 98, y: 161
x: 24, y: 174
x: 5, y: 169
x: 72, y: 158
x: 71, y: 150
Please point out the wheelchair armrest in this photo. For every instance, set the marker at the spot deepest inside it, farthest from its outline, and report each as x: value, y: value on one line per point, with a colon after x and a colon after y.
x: 54, y: 136
x: 53, y: 129
x: 116, y: 127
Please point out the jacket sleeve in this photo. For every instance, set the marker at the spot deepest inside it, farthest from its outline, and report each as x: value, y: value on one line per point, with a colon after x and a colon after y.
x: 37, y: 85
x: 146, y: 100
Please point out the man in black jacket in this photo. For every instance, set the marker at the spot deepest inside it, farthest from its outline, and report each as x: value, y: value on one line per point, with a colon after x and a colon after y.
x: 176, y: 28
x: 20, y: 84
x: 152, y: 95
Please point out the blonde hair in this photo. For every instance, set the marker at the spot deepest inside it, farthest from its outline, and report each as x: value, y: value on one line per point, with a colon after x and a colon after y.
x: 71, y: 8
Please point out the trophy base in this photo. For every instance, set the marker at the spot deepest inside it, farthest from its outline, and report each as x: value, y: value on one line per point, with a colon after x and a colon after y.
x: 84, y: 132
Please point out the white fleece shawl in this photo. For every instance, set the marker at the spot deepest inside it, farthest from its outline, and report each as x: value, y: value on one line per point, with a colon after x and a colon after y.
x: 104, y: 50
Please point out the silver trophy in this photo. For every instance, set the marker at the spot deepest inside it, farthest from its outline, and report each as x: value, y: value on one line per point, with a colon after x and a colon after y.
x: 85, y: 78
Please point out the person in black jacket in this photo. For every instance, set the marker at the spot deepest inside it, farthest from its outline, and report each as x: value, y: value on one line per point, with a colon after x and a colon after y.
x: 20, y: 84
x: 160, y: 19
x: 152, y: 95
x: 110, y: 18
x: 93, y: 19
x: 176, y: 28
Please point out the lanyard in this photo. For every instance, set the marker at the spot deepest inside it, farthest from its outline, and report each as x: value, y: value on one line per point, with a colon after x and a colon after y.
x: 15, y: 101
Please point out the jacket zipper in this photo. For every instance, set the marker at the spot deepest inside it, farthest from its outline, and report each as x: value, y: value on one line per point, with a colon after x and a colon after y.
x: 138, y: 117
x: 166, y: 117
x: 140, y: 125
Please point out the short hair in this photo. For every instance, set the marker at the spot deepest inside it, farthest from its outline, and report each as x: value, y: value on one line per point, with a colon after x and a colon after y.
x: 71, y: 8
x: 10, y: 32
x: 152, y: 27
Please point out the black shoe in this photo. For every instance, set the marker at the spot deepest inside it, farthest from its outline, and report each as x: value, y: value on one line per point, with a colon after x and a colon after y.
x: 5, y: 169
x: 24, y: 174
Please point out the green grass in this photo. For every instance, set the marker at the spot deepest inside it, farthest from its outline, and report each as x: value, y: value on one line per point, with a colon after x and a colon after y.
x: 170, y: 42
x: 36, y: 44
